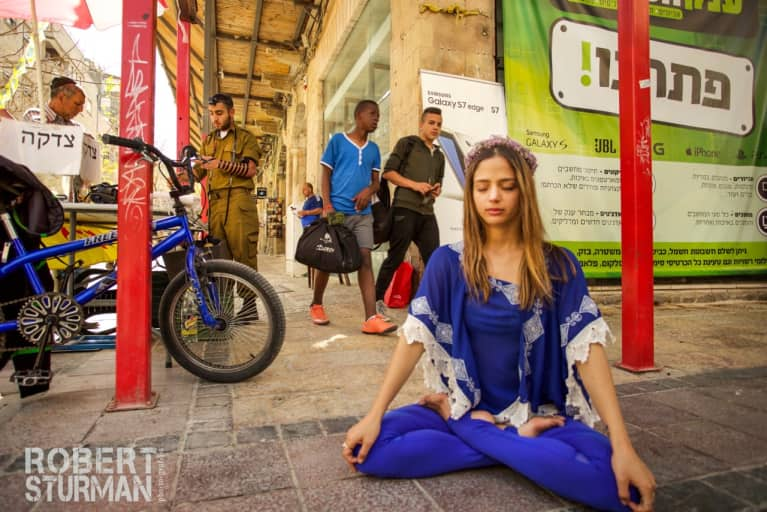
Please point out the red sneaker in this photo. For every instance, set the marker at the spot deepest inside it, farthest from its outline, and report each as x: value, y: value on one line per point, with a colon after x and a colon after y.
x: 377, y: 324
x: 317, y: 313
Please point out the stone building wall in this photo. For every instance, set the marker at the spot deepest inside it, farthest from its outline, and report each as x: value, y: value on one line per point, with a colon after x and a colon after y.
x: 459, y: 44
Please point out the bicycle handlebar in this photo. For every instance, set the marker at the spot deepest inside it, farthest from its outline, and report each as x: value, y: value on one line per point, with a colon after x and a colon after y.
x: 114, y: 140
x: 149, y: 150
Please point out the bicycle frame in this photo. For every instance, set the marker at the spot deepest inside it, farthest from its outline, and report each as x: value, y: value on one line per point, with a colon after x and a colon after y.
x: 183, y: 234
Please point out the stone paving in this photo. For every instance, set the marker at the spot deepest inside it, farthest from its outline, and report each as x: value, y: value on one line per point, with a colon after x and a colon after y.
x: 273, y: 442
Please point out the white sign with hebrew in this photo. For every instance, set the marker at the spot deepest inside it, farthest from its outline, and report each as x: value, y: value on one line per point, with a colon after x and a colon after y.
x: 51, y: 148
x: 90, y: 167
x: 691, y: 87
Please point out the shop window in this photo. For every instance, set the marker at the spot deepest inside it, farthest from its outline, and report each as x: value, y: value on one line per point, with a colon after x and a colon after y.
x: 361, y: 71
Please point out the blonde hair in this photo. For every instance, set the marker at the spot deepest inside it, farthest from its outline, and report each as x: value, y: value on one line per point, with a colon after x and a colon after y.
x: 535, y: 279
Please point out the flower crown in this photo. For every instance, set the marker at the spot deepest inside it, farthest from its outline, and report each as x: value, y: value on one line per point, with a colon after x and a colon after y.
x: 497, y: 140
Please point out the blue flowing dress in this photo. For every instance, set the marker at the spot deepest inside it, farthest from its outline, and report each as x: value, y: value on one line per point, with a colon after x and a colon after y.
x: 513, y: 363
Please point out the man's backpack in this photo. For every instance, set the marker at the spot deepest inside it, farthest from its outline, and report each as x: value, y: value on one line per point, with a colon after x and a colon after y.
x: 382, y: 210
x: 37, y: 210
x: 331, y: 248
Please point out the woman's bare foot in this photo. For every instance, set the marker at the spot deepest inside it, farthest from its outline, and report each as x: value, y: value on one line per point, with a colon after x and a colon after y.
x: 436, y: 402
x: 482, y: 415
x: 538, y: 424
x: 485, y: 416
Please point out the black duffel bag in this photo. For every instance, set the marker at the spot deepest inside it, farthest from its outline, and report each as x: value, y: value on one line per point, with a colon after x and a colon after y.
x: 331, y: 248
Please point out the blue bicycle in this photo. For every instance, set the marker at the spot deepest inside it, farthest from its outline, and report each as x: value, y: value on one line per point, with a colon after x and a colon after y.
x: 221, y: 320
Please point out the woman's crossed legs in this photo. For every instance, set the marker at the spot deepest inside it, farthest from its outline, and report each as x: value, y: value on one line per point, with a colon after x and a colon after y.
x: 572, y: 460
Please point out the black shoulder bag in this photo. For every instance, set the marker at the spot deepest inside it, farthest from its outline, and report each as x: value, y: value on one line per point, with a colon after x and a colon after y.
x: 382, y: 210
x: 331, y: 248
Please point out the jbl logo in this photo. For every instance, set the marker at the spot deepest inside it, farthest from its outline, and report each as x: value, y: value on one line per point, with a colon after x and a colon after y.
x: 604, y: 146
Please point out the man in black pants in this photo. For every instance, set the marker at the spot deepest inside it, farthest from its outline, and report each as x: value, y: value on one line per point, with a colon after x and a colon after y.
x: 416, y: 166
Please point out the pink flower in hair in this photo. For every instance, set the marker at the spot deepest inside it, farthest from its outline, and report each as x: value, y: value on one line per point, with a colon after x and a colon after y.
x: 496, y: 141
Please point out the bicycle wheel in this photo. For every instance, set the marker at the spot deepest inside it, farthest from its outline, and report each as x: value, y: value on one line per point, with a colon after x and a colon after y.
x: 251, y: 322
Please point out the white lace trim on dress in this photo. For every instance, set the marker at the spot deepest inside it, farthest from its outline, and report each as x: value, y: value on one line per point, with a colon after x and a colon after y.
x: 578, y: 350
x: 438, y: 364
x: 516, y: 414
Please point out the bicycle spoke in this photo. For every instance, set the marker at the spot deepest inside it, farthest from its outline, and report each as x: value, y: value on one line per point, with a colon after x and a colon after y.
x: 245, y: 330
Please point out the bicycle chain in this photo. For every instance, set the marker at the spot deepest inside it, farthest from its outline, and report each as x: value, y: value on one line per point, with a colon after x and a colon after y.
x: 3, y: 337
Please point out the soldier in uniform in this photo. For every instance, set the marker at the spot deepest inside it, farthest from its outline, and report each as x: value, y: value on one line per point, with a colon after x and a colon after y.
x: 229, y: 158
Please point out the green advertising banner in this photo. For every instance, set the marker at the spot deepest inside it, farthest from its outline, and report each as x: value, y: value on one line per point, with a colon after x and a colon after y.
x: 708, y: 73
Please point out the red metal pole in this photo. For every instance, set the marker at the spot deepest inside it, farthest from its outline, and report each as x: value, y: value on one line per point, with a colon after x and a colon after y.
x: 183, y: 94
x: 636, y: 185
x: 182, y: 84
x: 133, y: 372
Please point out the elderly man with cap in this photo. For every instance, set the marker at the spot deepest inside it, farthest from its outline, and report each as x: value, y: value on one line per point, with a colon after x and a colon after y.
x: 67, y: 100
x: 230, y: 155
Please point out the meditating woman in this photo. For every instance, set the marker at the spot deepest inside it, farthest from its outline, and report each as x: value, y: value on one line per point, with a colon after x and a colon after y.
x: 514, y: 352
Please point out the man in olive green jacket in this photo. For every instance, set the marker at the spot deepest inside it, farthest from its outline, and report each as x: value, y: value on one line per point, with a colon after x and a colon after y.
x: 229, y: 156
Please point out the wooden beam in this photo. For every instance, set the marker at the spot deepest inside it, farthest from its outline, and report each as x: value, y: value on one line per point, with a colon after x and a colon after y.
x: 300, y: 25
x: 276, y: 45
x: 267, y: 99
x: 241, y: 76
x: 252, y: 57
x: 210, y: 82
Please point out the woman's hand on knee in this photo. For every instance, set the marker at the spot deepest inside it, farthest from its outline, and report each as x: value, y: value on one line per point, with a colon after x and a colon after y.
x: 438, y: 403
x: 631, y: 470
x: 362, y: 434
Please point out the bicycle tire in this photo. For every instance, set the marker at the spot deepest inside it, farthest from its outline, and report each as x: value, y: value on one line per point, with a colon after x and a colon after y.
x: 215, y: 354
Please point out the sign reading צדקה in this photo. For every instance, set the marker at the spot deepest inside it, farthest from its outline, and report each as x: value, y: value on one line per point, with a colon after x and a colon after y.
x: 51, y: 148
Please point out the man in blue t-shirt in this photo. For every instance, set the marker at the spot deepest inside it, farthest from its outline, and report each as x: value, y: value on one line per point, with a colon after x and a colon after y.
x: 312, y: 208
x: 350, y: 168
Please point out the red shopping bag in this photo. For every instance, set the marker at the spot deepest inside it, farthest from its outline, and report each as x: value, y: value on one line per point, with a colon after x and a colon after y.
x: 400, y: 289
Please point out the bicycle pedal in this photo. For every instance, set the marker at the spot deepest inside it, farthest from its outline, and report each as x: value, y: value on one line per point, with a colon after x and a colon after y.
x: 31, y: 377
